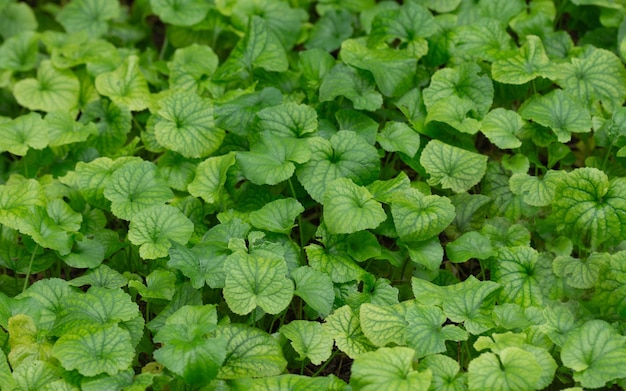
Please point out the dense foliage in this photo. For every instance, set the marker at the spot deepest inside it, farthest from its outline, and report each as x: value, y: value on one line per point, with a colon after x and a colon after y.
x: 312, y: 195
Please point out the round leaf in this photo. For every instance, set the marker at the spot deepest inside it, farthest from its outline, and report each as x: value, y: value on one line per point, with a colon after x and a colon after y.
x: 350, y: 208
x: 52, y: 90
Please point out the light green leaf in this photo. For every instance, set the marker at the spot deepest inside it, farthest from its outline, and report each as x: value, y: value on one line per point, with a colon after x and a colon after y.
x: 180, y: 13
x: 92, y: 178
x: 98, y: 307
x: 35, y: 374
x: 462, y: 82
x: 409, y: 23
x: 418, y: 217
x: 45, y: 231
x: 315, y: 288
x: 93, y: 350
x: 559, y: 112
x: 531, y: 62
x: 253, y: 281
x: 259, y: 48
x: 190, y: 65
x: 309, y: 340
x: 446, y: 373
x: 202, y: 264
x: 24, y: 132
x: 581, y: 273
x: 596, y: 353
x: 454, y: 111
x: 6, y: 379
x: 211, y: 175
x: 102, y: 276
x: 90, y: 16
x: 425, y: 331
x: 452, y: 167
x: 610, y: 289
x: 187, y: 349
x: 86, y: 253
x: 273, y: 159
x: 470, y: 302
x: 363, y: 245
x: 389, y: 190
x: 48, y: 294
x: 390, y: 369
x: 426, y: 253
x: 346, y: 155
x: 289, y: 382
x: 238, y: 115
x: 399, y: 137
x: 343, y: 80
x: 155, y: 227
x: 126, y: 85
x: 160, y: 284
x: 177, y: 170
x: 487, y: 40
x: 536, y: 191
x: 589, y: 208
x: 383, y: 325
x: 63, y: 129
x: 358, y: 122
x: 519, y: 274
x: 19, y: 53
x: 597, y: 76
x: 331, y: 29
x: 134, y: 187
x: 113, y: 123
x: 15, y: 18
x: 277, y: 216
x: 512, y: 369
x: 186, y: 125
x: 288, y: 120
x: 250, y: 352
x: 344, y: 326
x: 52, y: 90
x: 495, y: 185
x: 393, y: 69
x: 500, y: 127
x: 350, y: 208
x: 470, y: 245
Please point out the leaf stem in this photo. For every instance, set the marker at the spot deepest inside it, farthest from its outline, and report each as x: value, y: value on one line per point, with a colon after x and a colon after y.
x: 320, y: 369
x: 30, y: 266
x: 300, y: 233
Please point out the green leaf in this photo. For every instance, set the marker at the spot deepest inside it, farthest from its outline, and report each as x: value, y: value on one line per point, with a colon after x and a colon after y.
x: 315, y: 288
x: 425, y: 331
x: 330, y: 30
x: 190, y: 66
x: 409, y: 23
x: 452, y: 167
x: 470, y: 245
x: 536, y: 191
x: 363, y: 245
x: 596, y: 353
x: 309, y: 340
x: 52, y: 90
x: 154, y: 228
x: 462, y: 82
x: 500, y: 127
x: 160, y: 284
x: 531, y: 62
x: 211, y: 175
x: 589, y: 208
x: 273, y: 159
x: 24, y: 132
x: 253, y: 281
x: 519, y: 274
x: 102, y: 276
x: 558, y: 111
x: 610, y: 289
x: 277, y: 216
x: 180, y: 13
x: 187, y: 349
x: 418, y: 217
x: 580, y: 273
x: 259, y: 48
x: 86, y: 253
x: 113, y: 123
x: 344, y: 326
x: 19, y: 53
x: 288, y: 120
x: 45, y: 231
x: 343, y: 80
x: 93, y: 350
x: 15, y: 18
x: 454, y: 111
x: 126, y: 85
x: 250, y: 352
x: 63, y: 129
x: 383, y: 325
x: 446, y: 373
x: 35, y: 375
x: 350, y: 208
x: 487, y: 40
x: 358, y: 122
x: 597, y: 76
x: 90, y: 16
x: 512, y: 369
x: 470, y: 302
x: 186, y: 125
x: 6, y: 380
x: 427, y: 253
x: 388, y: 368
x: 346, y: 155
x: 393, y: 69
x: 48, y: 293
x: 134, y: 187
x: 93, y: 177
x: 98, y: 307
x: 238, y: 115
x: 399, y: 137
x: 289, y: 382
x: 202, y: 264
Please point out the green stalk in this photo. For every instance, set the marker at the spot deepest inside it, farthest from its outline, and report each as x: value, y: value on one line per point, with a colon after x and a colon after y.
x: 30, y: 266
